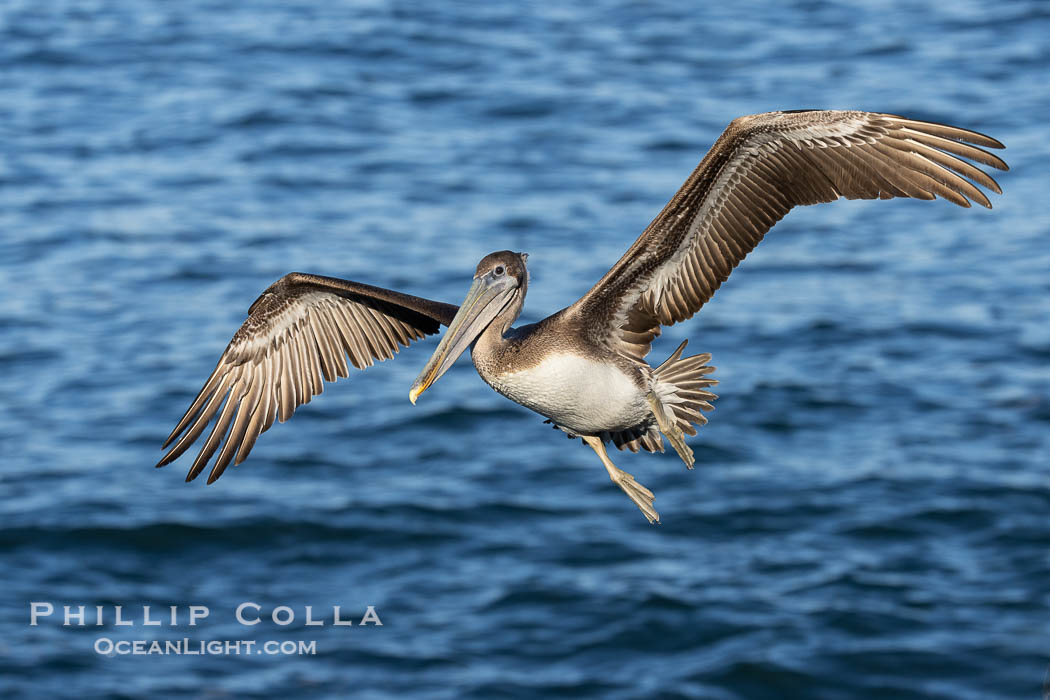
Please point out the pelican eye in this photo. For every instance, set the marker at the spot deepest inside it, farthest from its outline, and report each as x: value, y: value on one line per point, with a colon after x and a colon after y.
x: 499, y: 270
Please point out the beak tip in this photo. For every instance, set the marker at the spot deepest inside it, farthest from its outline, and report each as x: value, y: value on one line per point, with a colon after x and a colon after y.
x: 413, y: 394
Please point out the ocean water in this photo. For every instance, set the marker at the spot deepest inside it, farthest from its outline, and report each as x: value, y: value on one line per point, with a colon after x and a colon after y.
x: 870, y: 515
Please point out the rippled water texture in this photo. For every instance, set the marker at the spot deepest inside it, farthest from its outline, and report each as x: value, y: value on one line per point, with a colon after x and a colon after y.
x: 871, y: 512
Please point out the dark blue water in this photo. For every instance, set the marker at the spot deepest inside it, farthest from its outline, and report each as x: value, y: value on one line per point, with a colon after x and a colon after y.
x: 871, y: 514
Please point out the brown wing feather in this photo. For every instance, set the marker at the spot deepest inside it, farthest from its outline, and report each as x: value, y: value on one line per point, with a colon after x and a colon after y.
x: 761, y: 167
x: 298, y: 335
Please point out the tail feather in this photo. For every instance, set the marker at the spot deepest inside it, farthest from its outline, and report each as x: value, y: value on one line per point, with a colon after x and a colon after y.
x: 689, y: 378
x: 686, y: 381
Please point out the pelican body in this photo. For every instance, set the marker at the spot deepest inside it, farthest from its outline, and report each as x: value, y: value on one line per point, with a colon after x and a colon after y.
x: 583, y: 368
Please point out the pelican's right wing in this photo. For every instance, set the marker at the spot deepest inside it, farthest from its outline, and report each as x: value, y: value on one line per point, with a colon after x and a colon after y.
x: 760, y: 168
x: 298, y: 333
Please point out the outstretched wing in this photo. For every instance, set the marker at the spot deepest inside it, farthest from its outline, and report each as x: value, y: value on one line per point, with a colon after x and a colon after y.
x: 761, y: 167
x: 298, y: 333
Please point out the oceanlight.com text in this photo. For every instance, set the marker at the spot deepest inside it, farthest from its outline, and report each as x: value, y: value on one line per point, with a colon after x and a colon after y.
x: 189, y: 647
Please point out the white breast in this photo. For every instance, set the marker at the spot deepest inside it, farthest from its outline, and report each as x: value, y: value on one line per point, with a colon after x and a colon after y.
x: 577, y: 393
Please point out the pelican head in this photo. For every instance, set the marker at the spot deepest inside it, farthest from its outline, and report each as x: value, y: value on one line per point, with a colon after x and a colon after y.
x: 499, y: 285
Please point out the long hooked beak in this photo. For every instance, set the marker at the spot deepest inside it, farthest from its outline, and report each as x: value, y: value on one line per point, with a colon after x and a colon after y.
x: 488, y: 296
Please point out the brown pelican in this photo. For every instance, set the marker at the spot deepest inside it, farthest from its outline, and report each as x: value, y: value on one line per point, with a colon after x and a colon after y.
x: 584, y: 368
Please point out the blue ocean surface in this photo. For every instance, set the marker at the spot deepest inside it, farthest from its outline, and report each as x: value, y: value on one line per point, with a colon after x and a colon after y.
x: 870, y: 513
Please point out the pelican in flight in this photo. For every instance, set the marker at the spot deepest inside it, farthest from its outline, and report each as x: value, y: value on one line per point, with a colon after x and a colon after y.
x: 584, y: 368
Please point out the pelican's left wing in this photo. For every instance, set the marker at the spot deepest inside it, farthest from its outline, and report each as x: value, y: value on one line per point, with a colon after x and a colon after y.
x: 298, y: 333
x: 761, y: 167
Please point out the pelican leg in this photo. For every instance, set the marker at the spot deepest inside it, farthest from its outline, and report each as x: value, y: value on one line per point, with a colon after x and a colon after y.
x: 669, y: 427
x: 642, y: 497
